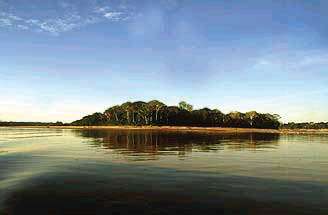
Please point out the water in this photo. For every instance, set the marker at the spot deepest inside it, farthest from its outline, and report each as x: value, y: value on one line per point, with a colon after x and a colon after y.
x: 62, y: 171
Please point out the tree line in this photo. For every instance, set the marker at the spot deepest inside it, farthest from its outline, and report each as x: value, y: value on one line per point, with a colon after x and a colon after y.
x: 157, y: 113
x: 11, y: 123
x: 305, y: 125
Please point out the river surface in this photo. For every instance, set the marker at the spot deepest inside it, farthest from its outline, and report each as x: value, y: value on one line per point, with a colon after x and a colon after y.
x: 67, y: 171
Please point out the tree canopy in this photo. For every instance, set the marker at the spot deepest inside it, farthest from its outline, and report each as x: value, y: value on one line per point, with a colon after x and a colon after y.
x: 305, y: 125
x: 157, y: 113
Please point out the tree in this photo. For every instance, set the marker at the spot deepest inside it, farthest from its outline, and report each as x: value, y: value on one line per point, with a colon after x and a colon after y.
x: 93, y: 119
x: 155, y: 106
x: 58, y: 123
x: 236, y: 119
x: 216, y: 117
x: 114, y: 113
x: 128, y: 108
x: 251, y: 117
x: 201, y: 117
x: 156, y: 112
x: 142, y: 111
x: 171, y: 115
x: 185, y: 106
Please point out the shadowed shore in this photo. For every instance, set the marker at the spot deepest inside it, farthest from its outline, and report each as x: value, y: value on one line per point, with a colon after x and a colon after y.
x: 193, y: 129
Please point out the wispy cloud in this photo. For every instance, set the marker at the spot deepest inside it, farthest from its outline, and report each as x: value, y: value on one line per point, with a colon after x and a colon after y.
x: 5, y: 22
x: 69, y: 17
x: 112, y: 15
x: 295, y: 62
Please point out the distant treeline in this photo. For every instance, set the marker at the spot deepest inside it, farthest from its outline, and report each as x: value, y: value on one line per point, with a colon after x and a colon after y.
x: 157, y: 113
x: 305, y: 125
x: 3, y: 123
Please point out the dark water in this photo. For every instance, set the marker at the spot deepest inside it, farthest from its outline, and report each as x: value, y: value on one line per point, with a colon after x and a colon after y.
x: 54, y: 171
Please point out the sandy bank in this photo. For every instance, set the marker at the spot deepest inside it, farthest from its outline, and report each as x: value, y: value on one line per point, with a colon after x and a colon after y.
x: 193, y: 129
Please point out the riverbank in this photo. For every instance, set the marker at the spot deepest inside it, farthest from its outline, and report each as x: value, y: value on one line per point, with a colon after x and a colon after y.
x: 192, y: 129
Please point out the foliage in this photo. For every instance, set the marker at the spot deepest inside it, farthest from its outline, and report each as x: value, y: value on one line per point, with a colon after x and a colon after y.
x: 185, y: 106
x: 93, y: 119
x: 305, y: 125
x: 157, y: 113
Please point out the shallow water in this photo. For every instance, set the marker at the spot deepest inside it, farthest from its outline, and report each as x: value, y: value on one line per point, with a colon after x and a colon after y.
x: 56, y: 171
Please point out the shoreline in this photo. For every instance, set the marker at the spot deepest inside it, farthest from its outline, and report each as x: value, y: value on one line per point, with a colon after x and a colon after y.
x: 191, y: 129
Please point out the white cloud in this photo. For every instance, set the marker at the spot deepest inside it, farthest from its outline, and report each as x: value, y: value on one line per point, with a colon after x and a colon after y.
x: 32, y: 21
x: 113, y: 15
x: 59, y: 25
x: 5, y: 22
x: 101, y: 9
x: 109, y: 14
x: 67, y: 18
x: 294, y: 61
x: 23, y: 27
x: 13, y: 17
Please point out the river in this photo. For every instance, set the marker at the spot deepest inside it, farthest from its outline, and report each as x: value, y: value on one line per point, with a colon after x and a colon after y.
x: 80, y: 171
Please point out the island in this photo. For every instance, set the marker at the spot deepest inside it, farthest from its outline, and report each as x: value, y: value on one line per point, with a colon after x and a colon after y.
x: 156, y: 115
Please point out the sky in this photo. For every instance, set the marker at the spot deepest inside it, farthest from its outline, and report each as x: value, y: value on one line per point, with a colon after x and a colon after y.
x: 63, y: 59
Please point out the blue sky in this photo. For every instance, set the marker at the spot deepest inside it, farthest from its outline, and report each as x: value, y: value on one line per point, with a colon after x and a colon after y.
x: 62, y: 59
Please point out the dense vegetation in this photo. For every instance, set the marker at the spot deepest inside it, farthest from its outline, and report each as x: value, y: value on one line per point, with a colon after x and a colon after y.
x: 305, y: 125
x: 157, y: 113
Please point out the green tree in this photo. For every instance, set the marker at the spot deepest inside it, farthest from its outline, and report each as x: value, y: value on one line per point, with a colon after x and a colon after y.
x: 128, y: 108
x: 142, y: 113
x: 185, y: 106
x: 237, y: 119
x: 155, y: 106
x: 114, y: 113
x: 156, y: 112
x: 93, y: 119
x: 252, y: 117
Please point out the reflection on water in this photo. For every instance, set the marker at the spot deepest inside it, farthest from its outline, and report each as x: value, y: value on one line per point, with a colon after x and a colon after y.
x: 55, y: 171
x: 152, y: 143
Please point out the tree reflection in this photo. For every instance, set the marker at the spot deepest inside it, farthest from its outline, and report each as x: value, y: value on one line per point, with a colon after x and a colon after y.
x: 150, y: 144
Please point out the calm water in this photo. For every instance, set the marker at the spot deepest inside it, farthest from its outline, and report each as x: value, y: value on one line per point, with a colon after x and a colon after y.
x: 55, y: 171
